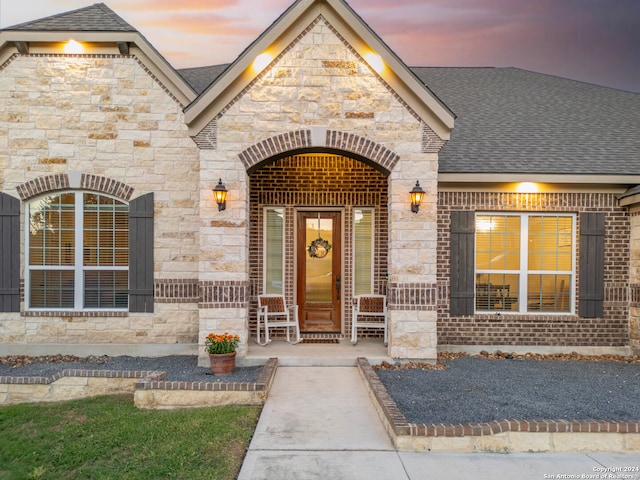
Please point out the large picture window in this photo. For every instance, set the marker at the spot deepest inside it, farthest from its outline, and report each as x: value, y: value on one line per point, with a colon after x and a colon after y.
x: 77, y: 252
x: 524, y: 262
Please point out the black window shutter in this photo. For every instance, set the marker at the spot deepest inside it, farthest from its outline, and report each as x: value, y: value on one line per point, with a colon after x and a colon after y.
x: 9, y: 253
x: 141, y: 254
x: 591, y: 295
x: 463, y: 226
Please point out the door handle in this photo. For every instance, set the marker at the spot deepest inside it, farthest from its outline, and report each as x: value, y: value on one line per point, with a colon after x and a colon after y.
x: 338, y: 285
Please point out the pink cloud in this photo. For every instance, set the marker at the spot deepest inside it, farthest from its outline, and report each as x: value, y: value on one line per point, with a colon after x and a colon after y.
x: 205, y: 24
x: 593, y: 40
x: 172, y: 5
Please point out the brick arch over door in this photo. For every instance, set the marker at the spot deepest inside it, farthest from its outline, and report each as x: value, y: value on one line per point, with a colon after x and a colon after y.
x: 61, y: 181
x: 320, y: 139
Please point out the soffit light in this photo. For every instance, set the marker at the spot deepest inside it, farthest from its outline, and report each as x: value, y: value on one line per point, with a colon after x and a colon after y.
x: 527, y: 187
x: 73, y: 47
x: 375, y: 61
x: 261, y: 62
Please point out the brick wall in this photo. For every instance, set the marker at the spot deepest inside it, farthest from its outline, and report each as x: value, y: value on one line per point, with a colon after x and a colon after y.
x: 316, y: 181
x: 634, y: 275
x: 543, y: 330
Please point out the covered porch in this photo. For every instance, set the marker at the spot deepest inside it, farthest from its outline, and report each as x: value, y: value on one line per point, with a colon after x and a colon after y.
x: 304, y: 198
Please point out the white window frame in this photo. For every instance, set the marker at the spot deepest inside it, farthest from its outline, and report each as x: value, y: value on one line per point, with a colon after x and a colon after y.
x: 523, y: 272
x: 264, y: 249
x: 78, y: 267
x: 373, y: 248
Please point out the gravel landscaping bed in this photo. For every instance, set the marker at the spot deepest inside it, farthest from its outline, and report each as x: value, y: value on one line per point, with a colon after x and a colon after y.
x: 179, y: 368
x: 476, y: 389
x: 457, y: 390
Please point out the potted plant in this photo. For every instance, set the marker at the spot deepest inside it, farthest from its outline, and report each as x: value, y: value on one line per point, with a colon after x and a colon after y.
x: 222, y: 352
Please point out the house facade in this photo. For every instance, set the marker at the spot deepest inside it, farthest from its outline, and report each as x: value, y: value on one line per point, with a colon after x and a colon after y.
x: 112, y: 240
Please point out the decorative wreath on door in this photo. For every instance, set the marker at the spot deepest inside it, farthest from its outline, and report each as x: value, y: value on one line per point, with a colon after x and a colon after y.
x: 319, y: 248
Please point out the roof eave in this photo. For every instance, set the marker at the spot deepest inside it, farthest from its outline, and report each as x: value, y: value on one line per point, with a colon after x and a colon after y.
x: 630, y: 198
x: 594, y: 179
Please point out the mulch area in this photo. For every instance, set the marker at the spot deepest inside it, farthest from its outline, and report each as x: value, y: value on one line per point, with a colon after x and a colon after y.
x: 22, y: 360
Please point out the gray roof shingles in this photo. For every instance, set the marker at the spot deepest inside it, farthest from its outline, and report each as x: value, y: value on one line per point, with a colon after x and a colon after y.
x: 95, y: 18
x: 515, y: 121
x: 510, y: 120
x: 201, y: 77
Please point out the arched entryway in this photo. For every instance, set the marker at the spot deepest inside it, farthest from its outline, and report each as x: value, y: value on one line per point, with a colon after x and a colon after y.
x: 298, y: 198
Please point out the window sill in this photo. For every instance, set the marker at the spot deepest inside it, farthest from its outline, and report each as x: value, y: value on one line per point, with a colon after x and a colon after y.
x: 498, y: 316
x: 72, y: 313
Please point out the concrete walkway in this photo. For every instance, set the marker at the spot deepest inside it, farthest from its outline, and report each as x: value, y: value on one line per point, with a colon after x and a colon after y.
x: 319, y: 423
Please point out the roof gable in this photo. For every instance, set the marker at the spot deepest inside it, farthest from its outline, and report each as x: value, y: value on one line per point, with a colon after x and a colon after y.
x: 103, y: 31
x: 286, y: 31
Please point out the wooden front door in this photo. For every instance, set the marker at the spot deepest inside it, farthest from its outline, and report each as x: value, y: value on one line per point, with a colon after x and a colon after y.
x: 318, y: 279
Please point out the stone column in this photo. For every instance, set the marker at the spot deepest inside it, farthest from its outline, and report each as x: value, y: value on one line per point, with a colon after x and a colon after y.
x: 224, y: 265
x: 412, y: 286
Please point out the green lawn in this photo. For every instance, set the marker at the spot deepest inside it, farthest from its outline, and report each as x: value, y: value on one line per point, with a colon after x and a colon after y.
x: 108, y: 438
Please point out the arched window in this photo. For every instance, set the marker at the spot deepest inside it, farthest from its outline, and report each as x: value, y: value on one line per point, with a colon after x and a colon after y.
x: 77, y: 247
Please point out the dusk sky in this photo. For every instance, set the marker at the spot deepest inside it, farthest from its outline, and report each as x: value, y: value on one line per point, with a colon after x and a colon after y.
x: 596, y: 41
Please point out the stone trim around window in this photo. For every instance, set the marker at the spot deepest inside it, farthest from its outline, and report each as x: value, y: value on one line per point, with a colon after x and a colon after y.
x: 75, y: 314
x: 61, y: 181
x: 37, y: 186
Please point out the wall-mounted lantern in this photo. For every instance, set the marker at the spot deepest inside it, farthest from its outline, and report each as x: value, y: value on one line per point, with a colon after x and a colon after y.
x: 220, y: 193
x: 417, y: 194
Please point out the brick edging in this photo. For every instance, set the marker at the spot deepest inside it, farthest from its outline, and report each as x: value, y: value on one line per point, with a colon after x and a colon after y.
x: 264, y: 381
x: 400, y: 426
x: 7, y: 379
x: 153, y: 380
x: 392, y: 413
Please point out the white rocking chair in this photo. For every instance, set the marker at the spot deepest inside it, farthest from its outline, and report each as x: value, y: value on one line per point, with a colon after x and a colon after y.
x: 273, y: 313
x: 369, y: 311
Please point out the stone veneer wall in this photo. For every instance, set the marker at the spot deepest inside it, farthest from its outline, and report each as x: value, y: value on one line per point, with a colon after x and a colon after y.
x: 317, y: 180
x: 320, y: 84
x: 103, y: 123
x: 541, y: 330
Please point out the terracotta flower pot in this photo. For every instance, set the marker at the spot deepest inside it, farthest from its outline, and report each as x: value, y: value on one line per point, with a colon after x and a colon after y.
x: 222, y: 363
